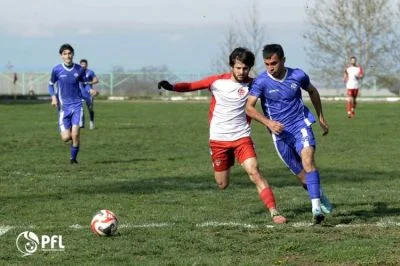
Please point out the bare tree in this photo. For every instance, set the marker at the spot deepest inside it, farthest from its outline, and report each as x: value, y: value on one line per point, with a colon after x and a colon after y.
x: 340, y: 29
x: 251, y: 36
x: 221, y: 62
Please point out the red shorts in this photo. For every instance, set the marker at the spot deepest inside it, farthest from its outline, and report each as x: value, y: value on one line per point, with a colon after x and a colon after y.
x: 352, y: 92
x: 223, y: 153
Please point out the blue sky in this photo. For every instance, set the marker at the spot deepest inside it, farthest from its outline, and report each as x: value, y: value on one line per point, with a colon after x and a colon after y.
x: 184, y: 35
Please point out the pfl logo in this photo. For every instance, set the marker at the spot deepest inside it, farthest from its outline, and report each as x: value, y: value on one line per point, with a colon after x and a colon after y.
x: 28, y: 243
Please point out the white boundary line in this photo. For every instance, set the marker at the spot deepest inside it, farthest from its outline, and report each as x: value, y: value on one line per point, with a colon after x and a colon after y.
x: 5, y: 228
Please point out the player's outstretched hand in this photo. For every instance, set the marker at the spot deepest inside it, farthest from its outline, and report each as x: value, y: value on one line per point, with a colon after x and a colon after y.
x: 165, y: 85
x: 324, y: 126
x: 93, y: 92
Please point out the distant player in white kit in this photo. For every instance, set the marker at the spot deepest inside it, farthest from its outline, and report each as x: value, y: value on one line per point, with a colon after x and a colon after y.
x: 352, y: 76
x: 229, y: 126
x: 68, y: 98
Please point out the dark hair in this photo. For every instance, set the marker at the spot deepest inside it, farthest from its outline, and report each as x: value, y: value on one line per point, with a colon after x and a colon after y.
x: 353, y: 57
x: 271, y: 49
x: 66, y: 46
x: 244, y: 55
x: 83, y: 61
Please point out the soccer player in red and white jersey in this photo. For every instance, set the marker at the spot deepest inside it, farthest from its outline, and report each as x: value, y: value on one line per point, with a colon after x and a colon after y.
x: 352, y: 76
x: 230, y: 126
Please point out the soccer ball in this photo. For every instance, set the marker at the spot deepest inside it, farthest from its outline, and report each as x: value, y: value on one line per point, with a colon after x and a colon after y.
x: 104, y: 223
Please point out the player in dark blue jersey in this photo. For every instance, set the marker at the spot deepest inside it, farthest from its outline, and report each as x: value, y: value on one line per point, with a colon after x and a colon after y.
x: 89, y: 99
x: 289, y: 121
x: 68, y: 98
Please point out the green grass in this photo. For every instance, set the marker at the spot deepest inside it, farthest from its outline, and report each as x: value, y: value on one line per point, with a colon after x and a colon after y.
x: 149, y: 163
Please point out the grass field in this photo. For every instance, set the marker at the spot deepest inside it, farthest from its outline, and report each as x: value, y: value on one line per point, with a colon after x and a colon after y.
x: 149, y: 163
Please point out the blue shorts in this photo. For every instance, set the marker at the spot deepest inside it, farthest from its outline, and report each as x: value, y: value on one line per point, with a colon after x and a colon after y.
x: 290, y: 146
x: 69, y: 116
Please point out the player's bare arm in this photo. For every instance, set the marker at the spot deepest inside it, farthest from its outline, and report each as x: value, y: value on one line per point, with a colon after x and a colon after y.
x: 252, y: 112
x: 94, y: 81
x: 316, y: 101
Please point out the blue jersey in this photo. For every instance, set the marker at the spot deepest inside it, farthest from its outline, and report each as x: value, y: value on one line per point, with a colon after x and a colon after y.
x: 281, y: 100
x: 67, y: 79
x: 89, y: 75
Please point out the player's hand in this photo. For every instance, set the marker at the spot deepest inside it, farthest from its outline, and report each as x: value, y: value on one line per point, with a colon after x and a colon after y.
x: 93, y: 92
x: 165, y: 85
x: 324, y: 126
x: 54, y: 101
x: 275, y: 127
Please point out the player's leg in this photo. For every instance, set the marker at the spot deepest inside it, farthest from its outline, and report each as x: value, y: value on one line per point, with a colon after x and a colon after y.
x: 326, y: 205
x: 90, y: 105
x: 77, y: 123
x: 222, y: 159
x: 245, y: 154
x: 64, y: 123
x: 305, y: 143
x: 349, y: 103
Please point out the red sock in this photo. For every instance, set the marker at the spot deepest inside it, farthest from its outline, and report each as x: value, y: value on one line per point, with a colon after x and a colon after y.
x: 267, y: 196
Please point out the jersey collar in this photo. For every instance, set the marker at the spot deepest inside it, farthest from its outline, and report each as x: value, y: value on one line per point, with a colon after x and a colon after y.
x: 279, y: 80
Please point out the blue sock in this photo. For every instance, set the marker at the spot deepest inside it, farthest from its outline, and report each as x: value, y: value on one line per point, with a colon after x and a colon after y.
x: 313, y: 184
x: 74, y: 152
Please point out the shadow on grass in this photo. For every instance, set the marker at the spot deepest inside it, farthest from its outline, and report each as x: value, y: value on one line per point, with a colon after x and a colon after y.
x: 379, y: 210
x: 126, y: 161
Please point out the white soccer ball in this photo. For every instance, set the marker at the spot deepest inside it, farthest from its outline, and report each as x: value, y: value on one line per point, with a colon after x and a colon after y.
x: 104, y: 223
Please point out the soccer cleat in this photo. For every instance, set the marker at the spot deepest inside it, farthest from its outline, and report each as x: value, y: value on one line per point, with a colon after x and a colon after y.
x: 277, y: 217
x: 326, y: 206
x: 318, y: 216
x: 91, y: 126
x: 74, y: 161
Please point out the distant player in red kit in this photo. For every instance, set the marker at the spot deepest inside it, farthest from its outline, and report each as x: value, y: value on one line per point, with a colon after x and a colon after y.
x: 230, y: 126
x: 352, y: 76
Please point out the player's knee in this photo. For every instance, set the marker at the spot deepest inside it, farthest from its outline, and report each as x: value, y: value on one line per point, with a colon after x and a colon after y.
x: 66, y: 138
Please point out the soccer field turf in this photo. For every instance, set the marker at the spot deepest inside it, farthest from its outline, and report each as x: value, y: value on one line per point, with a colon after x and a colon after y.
x: 149, y: 163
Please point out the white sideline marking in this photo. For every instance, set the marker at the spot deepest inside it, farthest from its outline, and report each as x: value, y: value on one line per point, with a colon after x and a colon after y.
x: 4, y: 229
x: 231, y: 224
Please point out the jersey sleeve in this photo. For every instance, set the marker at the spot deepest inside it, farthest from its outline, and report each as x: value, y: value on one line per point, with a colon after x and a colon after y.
x: 256, y: 87
x: 197, y: 85
x: 304, y: 81
x: 52, y: 81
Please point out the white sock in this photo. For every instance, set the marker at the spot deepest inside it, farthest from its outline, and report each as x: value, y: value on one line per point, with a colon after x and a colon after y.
x: 316, y: 204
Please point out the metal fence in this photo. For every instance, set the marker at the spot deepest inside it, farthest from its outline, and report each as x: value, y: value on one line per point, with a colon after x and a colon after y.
x: 133, y: 84
x: 137, y: 84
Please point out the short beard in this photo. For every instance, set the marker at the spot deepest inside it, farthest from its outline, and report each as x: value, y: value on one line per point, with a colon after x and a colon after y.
x: 236, y: 78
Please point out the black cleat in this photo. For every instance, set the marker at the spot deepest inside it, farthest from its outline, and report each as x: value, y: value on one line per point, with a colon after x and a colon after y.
x: 74, y: 161
x: 318, y: 218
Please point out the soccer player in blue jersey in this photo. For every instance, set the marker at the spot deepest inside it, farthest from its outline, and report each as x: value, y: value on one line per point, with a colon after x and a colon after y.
x: 289, y: 121
x: 68, y: 98
x: 89, y: 99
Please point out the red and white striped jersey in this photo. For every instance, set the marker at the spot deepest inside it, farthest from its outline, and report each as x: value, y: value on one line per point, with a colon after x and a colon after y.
x: 227, y: 117
x: 353, y: 75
